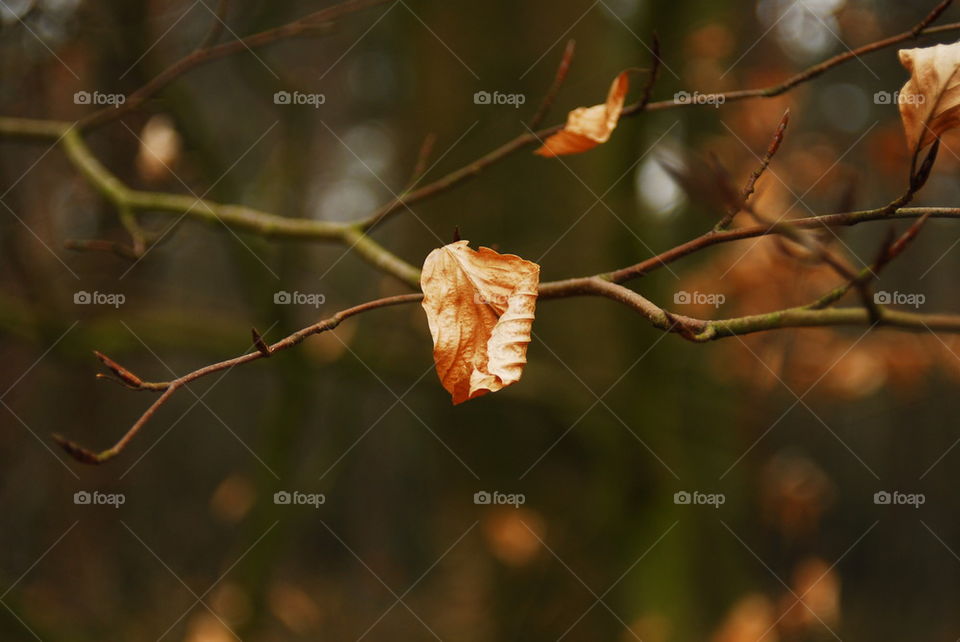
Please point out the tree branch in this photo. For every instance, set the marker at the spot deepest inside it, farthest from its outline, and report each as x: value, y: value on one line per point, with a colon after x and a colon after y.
x: 243, y: 218
x: 169, y: 387
x: 237, y: 217
x: 643, y: 105
x: 751, y: 184
x: 844, y: 219
x: 697, y: 330
x: 922, y: 28
x: 558, y: 81
x: 207, y: 53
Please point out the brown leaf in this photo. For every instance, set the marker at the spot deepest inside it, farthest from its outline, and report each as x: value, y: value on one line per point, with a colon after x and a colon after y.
x: 480, y: 307
x: 587, y: 127
x: 930, y: 101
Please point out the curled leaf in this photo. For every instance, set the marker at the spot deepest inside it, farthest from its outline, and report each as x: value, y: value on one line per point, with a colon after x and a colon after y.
x: 587, y: 127
x: 930, y: 101
x: 480, y: 307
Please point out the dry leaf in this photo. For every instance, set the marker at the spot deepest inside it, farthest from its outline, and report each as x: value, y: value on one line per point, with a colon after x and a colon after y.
x: 587, y: 127
x: 480, y: 307
x: 930, y: 101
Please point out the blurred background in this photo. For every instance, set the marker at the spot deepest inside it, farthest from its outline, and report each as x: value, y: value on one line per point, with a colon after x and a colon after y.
x: 794, y: 431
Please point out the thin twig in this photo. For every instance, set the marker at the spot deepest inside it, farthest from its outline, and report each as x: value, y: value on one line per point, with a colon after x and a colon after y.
x: 202, y: 56
x: 711, y: 238
x: 423, y: 158
x: 216, y: 27
x: 558, y: 81
x: 933, y: 15
x: 751, y: 184
x: 84, y: 455
x: 654, y: 73
x: 99, y: 245
x: 922, y: 28
x: 890, y: 250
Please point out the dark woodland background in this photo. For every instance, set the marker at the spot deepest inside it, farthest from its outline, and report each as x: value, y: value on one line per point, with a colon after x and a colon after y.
x: 875, y: 411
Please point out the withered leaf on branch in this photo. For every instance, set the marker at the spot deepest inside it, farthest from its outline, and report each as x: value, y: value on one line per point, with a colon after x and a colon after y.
x: 587, y: 127
x: 480, y: 307
x: 930, y: 101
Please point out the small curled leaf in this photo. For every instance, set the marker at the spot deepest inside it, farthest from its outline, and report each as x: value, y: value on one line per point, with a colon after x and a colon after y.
x: 587, y: 127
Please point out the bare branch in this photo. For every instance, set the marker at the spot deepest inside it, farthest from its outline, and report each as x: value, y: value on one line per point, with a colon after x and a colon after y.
x: 890, y: 250
x: 711, y: 238
x: 423, y: 157
x: 98, y: 245
x: 216, y: 27
x: 530, y: 138
x: 692, y: 329
x: 169, y: 387
x: 922, y: 28
x: 751, y: 184
x: 558, y: 81
x: 204, y: 55
x: 654, y: 73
